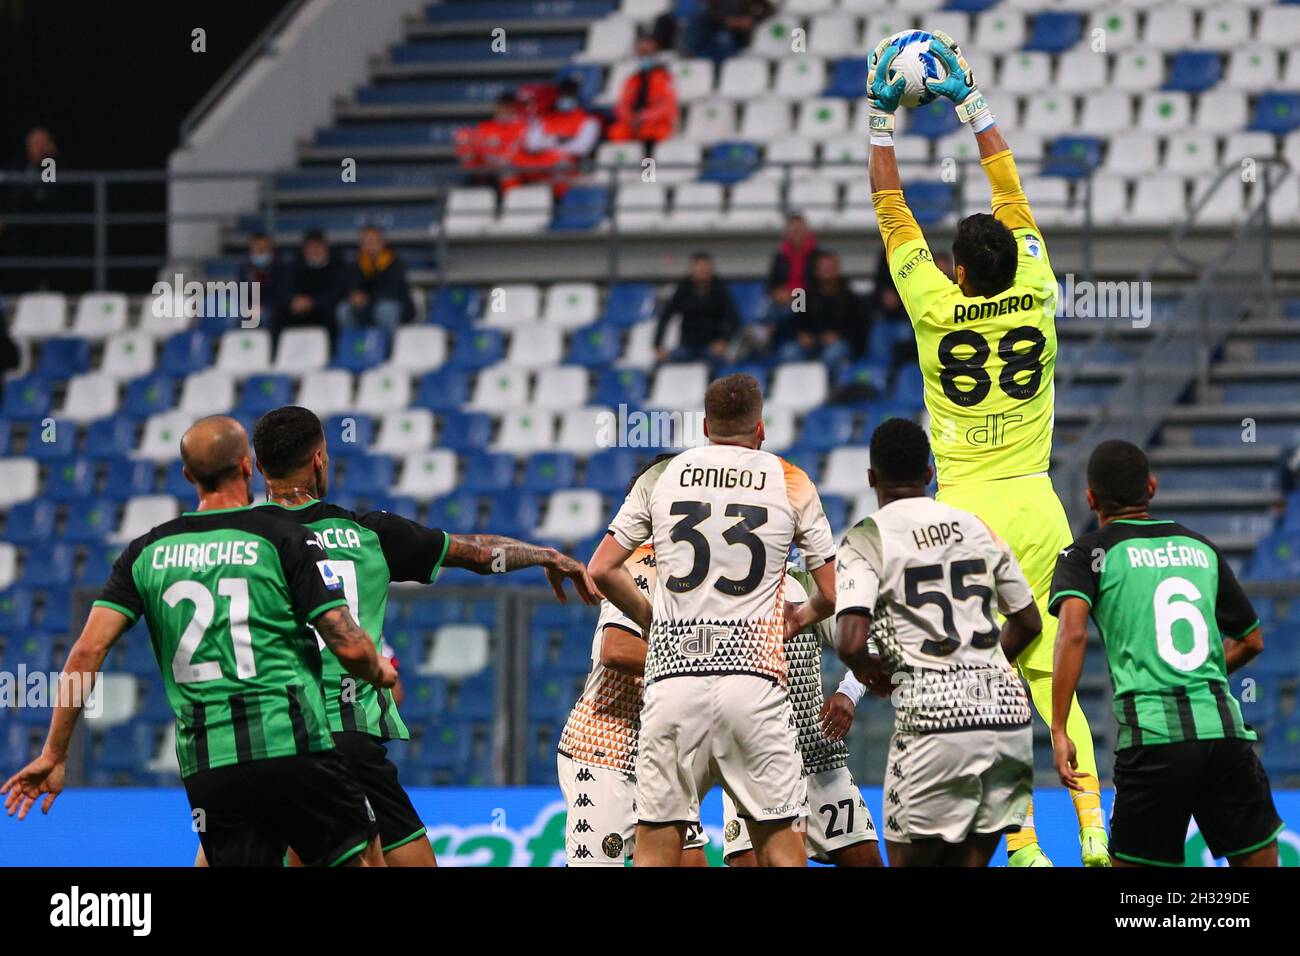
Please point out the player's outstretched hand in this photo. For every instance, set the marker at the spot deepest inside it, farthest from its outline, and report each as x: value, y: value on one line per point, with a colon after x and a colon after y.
x: 565, y: 567
x: 1066, y: 760
x: 960, y: 81
x: 883, y: 96
x: 836, y: 716
x: 44, y: 775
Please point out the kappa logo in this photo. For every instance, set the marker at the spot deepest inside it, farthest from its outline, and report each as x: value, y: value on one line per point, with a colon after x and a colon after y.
x: 582, y: 853
x: 584, y: 801
x: 893, y: 797
x: 582, y: 826
x: 585, y: 775
x: 892, y: 824
x: 612, y: 846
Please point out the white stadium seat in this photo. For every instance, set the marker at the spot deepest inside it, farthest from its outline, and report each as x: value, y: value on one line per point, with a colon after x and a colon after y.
x: 1106, y: 112
x: 1224, y: 206
x: 90, y: 397
x: 1226, y: 27
x: 585, y: 431
x: 1079, y: 70
x: 457, y: 651
x: 302, y: 350
x: 383, y: 389
x: 846, y: 471
x: 1050, y: 113
x: 524, y: 210
x: 779, y: 429
x: 419, y: 348
x: 696, y: 206
x: 8, y: 564
x: 765, y: 120
x: 800, y: 77
x: 1165, y: 112
x: 571, y: 305
x: 638, y: 350
x: 40, y: 315
x: 676, y: 161
x: 834, y: 35
x: 158, y: 319
x: 1221, y: 109
x: 998, y: 30
x: 508, y: 305
x: 1158, y: 199
x: 535, y: 346
x: 1139, y: 69
x: 143, y: 513
x: 816, y: 198
x: 792, y: 155
x: 326, y: 391
x: 405, y: 431
x: 560, y: 387
x: 209, y: 392
x: 640, y: 207
x: 128, y: 355
x: 823, y: 118
x: 1109, y: 199
x: 609, y: 39
x: 1253, y: 70
x: 773, y: 38
x: 1024, y: 70
x: 427, y: 474
x: 679, y: 386
x: 1191, y: 153
x: 799, y: 386
x: 162, y: 435
x: 99, y: 315
x: 693, y: 79
x: 742, y: 77
x: 500, y: 387
x: 573, y: 515
x: 19, y: 481
x: 711, y: 120
x: 111, y: 702
x: 1133, y: 153
x: 525, y: 431
x: 471, y: 210
x: 754, y: 204
x: 244, y: 352
x: 844, y: 158
x: 1118, y: 25
x: 1279, y: 26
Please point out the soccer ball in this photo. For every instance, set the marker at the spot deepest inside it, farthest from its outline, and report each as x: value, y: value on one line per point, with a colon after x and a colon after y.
x: 916, y: 64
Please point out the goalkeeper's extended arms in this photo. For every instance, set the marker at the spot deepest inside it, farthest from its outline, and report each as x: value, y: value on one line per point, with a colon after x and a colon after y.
x: 959, y: 85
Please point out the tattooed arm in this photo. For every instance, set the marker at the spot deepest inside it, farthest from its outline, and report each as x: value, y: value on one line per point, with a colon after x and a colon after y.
x: 494, y: 553
x: 354, y: 648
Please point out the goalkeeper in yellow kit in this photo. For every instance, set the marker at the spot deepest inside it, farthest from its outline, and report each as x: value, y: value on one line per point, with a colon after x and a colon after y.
x: 987, y: 348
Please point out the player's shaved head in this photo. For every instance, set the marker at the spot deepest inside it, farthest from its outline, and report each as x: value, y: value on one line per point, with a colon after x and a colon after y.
x: 213, y: 450
x: 285, y: 440
x: 733, y: 408
x: 1119, y: 476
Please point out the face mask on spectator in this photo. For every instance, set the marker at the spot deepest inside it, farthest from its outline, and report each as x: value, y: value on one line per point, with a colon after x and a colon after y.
x: 260, y: 259
x: 648, y: 62
x: 566, y: 103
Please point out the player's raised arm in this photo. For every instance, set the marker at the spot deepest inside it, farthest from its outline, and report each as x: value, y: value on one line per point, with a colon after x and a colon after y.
x: 608, y: 568
x: 494, y: 553
x: 1010, y: 207
x: 44, y: 775
x: 896, y: 222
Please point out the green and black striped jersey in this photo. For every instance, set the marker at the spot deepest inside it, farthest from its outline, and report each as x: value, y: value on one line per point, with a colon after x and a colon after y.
x: 367, y: 552
x: 227, y: 595
x: 1163, y: 599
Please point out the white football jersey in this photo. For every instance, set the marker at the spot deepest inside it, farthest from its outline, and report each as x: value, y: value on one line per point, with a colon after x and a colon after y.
x: 722, y: 519
x: 929, y: 575
x: 603, y: 726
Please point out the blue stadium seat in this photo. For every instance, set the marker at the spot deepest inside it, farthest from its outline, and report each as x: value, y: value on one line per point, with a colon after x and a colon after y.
x: 63, y: 358
x: 590, y: 78
x: 30, y: 522
x: 465, y: 431
x: 4, y: 436
x: 1194, y: 71
x: 149, y: 395
x: 865, y: 377
x: 455, y: 513
x: 456, y: 306
x: 475, y: 697
x: 16, y: 609
x: 837, y: 511
x: 186, y: 352
x: 122, y: 749
x: 173, y: 483
x: 629, y: 303
x: 368, y: 475
x: 729, y: 163
x: 154, y: 705
x: 48, y: 565
x: 95, y: 568
x: 488, y: 471
x: 826, y: 428
x: 609, y: 471
x: 750, y: 299
x: 620, y: 386
x: 426, y: 699
x: 477, y: 348
x: 445, y: 390
x: 934, y: 120
x: 594, y: 346
x: 70, y: 482
x: 349, y: 435
x: 970, y: 6
x: 261, y: 393
x: 361, y: 349
x: 1277, y: 113
x: 56, y: 442
x: 1073, y: 157
x: 849, y: 78
x: 809, y: 459
x: 550, y: 471
x: 511, y: 514
x: 742, y: 368
x: 56, y: 611
x: 110, y: 439
x: 443, y: 748
x: 402, y: 505
x: 35, y: 649
x: 1277, y: 557
x: 1055, y: 32
x: 127, y: 479
x: 581, y: 208
x: 27, y: 397
x: 930, y: 202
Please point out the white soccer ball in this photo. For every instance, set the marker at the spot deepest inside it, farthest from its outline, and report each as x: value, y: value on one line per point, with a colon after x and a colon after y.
x: 915, y: 63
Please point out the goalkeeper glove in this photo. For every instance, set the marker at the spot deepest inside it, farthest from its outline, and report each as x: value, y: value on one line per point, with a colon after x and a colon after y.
x: 959, y: 84
x: 883, y: 96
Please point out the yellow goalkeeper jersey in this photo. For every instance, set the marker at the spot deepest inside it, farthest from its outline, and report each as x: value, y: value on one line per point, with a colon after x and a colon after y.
x: 987, y: 363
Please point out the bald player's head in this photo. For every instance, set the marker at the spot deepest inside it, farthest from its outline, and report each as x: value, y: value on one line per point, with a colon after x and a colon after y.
x: 214, y: 451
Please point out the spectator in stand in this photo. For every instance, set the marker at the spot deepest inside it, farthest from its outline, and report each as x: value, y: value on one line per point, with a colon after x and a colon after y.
x: 723, y: 28
x: 260, y: 266
x: 835, y: 324
x: 708, y: 314
x: 646, y: 110
x: 377, y: 292
x: 487, y: 147
x: 791, y: 269
x: 557, y: 142
x: 10, y: 356
x: 37, y: 197
x: 312, y: 288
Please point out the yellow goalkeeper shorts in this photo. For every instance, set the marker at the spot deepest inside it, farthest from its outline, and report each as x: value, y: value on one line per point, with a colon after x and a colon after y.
x: 1025, y: 513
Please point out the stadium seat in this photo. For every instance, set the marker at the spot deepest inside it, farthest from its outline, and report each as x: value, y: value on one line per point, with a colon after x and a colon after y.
x: 63, y: 358
x: 754, y: 204
x: 465, y: 431
x: 71, y: 482
x: 128, y: 355
x: 500, y: 387
x: 186, y: 352
x: 261, y: 393
x: 47, y: 566
x: 348, y: 435
x: 846, y: 471
x: 510, y: 305
x: 326, y: 391
x: 442, y: 391
x: 572, y: 515
x: 560, y: 387
x: 427, y: 474
x: 27, y: 397
x: 19, y: 481
x: 596, y: 345
x: 525, y: 431
x: 143, y: 513
x: 581, y: 208
x: 361, y: 349
x: 210, y: 392
x: 29, y: 522
x: 39, y: 315
x: 404, y: 431
x: 162, y: 435
x: 455, y: 306
x: 1277, y: 113
x: 549, y: 471
x: 95, y: 520
x: 302, y: 350
x: 679, y: 386
x: 584, y: 431
x: 571, y: 305
x: 53, y: 441
x: 696, y: 207
x: 535, y: 346
x: 524, y: 210
x: 488, y: 471
x: 477, y: 348
x: 368, y: 475
x: 456, y: 513
x: 383, y: 389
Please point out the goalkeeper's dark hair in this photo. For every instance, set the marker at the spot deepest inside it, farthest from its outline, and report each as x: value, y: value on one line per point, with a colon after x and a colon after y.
x: 646, y: 467
x: 285, y: 438
x: 987, y: 251
x: 1118, y: 474
x: 900, y: 452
